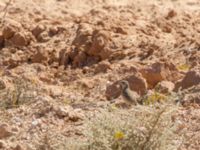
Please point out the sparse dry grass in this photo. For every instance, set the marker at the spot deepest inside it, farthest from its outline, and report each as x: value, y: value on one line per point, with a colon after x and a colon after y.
x: 142, y: 128
x: 22, y: 92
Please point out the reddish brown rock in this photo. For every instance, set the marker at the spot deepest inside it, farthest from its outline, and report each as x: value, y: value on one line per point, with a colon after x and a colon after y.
x: 10, y: 28
x: 80, y: 59
x: 91, y: 46
x: 171, y: 14
x: 41, y: 33
x: 160, y: 71
x: 5, y: 131
x: 191, y: 78
x: 103, y: 67
x: 53, y: 31
x: 83, y: 37
x: 37, y: 30
x: 8, y: 32
x: 99, y: 42
x: 113, y: 91
x: 137, y: 83
x: 40, y: 56
x: 20, y: 39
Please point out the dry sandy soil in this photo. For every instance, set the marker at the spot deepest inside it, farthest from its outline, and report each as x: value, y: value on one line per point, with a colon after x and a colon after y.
x: 61, y: 60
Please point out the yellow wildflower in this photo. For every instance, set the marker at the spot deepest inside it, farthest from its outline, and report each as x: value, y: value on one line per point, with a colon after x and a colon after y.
x: 155, y: 97
x: 119, y: 135
x: 183, y: 67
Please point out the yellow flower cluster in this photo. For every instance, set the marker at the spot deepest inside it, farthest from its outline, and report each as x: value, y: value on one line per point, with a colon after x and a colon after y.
x: 119, y: 135
x: 183, y: 67
x: 155, y: 97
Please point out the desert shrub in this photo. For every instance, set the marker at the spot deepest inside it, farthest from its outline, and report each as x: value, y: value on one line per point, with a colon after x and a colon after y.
x: 23, y: 91
x: 154, y: 98
x: 142, y: 128
x: 167, y: 98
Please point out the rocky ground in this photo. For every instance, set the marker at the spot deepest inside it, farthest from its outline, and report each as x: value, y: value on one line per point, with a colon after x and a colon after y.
x: 61, y: 60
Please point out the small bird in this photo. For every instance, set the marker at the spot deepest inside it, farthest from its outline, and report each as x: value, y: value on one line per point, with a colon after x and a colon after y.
x: 129, y: 96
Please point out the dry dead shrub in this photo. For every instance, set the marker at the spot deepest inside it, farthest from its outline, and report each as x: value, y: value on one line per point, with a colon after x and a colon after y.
x: 142, y: 128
